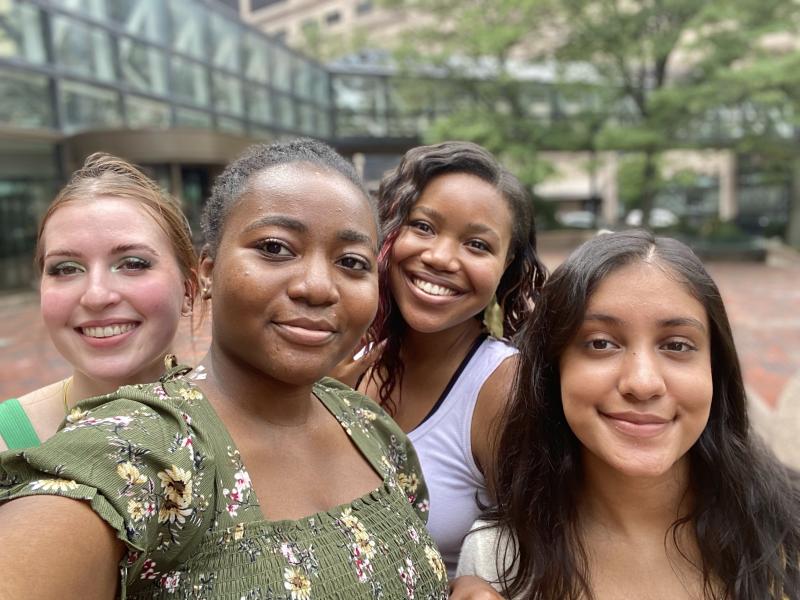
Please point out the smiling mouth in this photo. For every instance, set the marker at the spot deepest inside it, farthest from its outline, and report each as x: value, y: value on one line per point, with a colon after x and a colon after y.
x: 637, y: 427
x: 108, y: 330
x: 433, y: 289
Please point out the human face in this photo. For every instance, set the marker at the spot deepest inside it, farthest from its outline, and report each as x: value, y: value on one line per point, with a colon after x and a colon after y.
x: 294, y: 281
x: 111, y: 291
x: 450, y: 254
x: 636, y: 382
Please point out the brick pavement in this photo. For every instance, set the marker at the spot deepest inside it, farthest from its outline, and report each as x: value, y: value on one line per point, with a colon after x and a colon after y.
x: 763, y: 303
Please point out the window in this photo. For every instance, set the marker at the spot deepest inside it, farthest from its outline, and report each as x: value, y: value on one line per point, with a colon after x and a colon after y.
x: 26, y: 100
x: 86, y: 106
x: 333, y: 17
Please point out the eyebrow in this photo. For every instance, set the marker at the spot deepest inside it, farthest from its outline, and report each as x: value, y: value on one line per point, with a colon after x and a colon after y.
x: 118, y: 249
x: 345, y: 235
x: 351, y: 235
x: 278, y: 221
x: 670, y: 322
x: 472, y: 227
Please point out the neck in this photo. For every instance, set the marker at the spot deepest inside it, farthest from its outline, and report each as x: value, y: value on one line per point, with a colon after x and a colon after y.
x: 629, y: 504
x: 242, y: 394
x: 455, y: 341
x: 81, y: 385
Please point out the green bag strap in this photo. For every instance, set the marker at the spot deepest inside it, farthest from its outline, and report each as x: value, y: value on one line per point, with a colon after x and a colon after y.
x: 15, y: 426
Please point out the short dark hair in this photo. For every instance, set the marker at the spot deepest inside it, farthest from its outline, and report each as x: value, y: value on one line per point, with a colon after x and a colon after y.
x: 746, y: 510
x: 233, y: 181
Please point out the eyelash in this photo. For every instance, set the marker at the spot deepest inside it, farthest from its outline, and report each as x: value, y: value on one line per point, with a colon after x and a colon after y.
x: 421, y: 226
x: 68, y: 268
x: 364, y: 265
x: 59, y: 269
x: 687, y: 347
x: 264, y: 245
x: 426, y: 228
x: 133, y: 263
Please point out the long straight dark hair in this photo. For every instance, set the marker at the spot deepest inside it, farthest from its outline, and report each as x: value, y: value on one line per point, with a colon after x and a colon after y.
x: 398, y: 193
x: 746, y: 506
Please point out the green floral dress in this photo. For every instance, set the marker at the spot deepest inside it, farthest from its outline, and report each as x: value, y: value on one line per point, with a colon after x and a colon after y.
x: 158, y: 466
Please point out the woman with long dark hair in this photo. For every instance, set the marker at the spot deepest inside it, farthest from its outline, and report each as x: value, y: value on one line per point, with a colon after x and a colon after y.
x: 459, y: 231
x: 627, y: 467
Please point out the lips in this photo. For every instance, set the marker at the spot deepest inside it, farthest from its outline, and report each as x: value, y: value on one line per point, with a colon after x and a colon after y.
x: 306, y: 332
x: 432, y: 288
x: 641, y: 425
x: 106, y: 329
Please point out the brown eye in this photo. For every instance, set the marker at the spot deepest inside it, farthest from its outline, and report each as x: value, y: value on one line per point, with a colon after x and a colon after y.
x: 272, y: 247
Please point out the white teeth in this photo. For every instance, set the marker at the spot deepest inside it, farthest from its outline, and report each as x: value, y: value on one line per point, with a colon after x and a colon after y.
x: 108, y: 331
x: 433, y: 289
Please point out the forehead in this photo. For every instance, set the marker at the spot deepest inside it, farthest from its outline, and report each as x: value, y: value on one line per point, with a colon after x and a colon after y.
x: 462, y: 195
x: 645, y: 290
x: 100, y: 218
x: 312, y: 193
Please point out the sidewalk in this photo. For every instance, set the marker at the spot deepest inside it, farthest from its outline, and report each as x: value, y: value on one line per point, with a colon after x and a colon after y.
x: 763, y: 303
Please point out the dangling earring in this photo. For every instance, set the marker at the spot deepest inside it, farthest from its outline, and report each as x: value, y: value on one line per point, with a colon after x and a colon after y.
x: 493, y: 318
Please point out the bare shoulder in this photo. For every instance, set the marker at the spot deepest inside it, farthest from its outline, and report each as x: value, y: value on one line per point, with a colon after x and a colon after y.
x: 44, y: 395
x: 33, y: 533
x: 492, y: 399
x: 44, y: 408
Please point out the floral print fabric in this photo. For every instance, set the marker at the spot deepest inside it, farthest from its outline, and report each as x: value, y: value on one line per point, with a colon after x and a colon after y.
x: 156, y: 463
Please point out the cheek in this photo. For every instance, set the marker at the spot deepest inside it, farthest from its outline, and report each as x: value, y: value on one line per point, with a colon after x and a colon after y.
x: 57, y: 304
x: 159, y: 298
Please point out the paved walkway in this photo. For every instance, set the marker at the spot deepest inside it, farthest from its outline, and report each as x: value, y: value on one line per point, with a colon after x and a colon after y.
x: 763, y: 302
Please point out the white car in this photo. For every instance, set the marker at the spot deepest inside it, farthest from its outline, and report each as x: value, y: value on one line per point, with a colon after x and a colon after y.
x: 659, y: 217
x: 581, y: 219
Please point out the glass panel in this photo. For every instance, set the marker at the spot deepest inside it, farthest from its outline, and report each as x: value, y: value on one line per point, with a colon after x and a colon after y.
x: 147, y: 114
x: 229, y: 124
x: 259, y: 104
x: 82, y: 49
x: 359, y: 93
x: 91, y: 8
x: 21, y: 32
x: 188, y: 28
x: 86, y: 106
x: 143, y: 18
x: 24, y: 100
x: 323, y: 123
x: 143, y: 67
x: 190, y: 82
x: 256, y: 58
x: 319, y: 87
x: 186, y: 117
x: 307, y: 119
x: 224, y: 43
x: 285, y: 111
x: 302, y: 77
x: 281, y: 68
x: 227, y: 94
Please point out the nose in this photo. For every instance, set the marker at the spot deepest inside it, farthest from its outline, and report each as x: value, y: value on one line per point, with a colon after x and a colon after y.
x: 641, y: 378
x: 100, y: 290
x: 315, y: 282
x: 441, y: 255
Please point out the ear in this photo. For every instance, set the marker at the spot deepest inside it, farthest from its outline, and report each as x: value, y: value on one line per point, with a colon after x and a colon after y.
x: 189, y: 294
x: 205, y: 272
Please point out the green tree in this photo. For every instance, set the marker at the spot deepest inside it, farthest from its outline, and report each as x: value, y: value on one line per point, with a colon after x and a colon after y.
x: 648, y: 71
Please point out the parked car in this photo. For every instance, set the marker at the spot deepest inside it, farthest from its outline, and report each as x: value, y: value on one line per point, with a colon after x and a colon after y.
x: 580, y: 219
x: 659, y: 217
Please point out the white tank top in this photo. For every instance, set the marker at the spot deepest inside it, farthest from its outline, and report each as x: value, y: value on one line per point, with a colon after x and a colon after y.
x: 444, y: 446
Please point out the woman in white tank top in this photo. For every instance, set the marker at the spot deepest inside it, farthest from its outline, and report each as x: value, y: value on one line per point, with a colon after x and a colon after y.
x: 459, y: 232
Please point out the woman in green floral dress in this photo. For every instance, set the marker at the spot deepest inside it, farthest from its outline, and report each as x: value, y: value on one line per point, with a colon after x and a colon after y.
x: 251, y: 476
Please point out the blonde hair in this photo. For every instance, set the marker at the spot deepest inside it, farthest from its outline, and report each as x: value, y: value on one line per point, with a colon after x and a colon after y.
x: 106, y: 175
